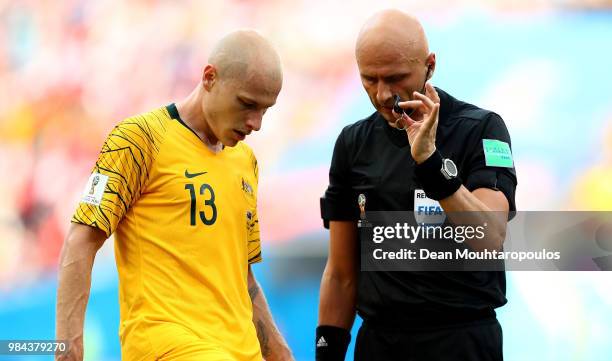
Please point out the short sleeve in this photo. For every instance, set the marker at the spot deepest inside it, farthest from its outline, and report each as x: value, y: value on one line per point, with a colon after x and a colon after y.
x: 253, y: 238
x: 478, y: 175
x: 254, y: 243
x: 336, y: 204
x: 119, y: 175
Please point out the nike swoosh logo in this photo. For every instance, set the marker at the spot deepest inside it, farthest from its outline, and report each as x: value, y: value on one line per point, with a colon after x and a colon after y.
x: 191, y: 175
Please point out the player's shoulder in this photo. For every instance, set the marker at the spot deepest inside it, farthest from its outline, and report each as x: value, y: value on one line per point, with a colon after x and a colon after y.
x: 245, y: 149
x: 245, y: 152
x: 155, y: 120
x: 248, y: 155
x: 144, y: 128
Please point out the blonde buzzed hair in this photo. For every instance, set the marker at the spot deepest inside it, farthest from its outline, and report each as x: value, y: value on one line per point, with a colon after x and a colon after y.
x: 239, y: 51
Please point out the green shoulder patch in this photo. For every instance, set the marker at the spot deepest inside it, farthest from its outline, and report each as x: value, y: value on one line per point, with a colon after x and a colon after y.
x: 497, y: 153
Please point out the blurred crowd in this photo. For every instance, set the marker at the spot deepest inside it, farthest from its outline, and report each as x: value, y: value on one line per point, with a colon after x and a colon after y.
x: 71, y: 69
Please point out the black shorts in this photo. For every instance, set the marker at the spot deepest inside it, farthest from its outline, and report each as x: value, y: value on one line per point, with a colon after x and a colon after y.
x: 470, y: 341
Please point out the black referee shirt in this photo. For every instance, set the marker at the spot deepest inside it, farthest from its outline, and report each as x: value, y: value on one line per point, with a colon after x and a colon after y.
x: 373, y: 158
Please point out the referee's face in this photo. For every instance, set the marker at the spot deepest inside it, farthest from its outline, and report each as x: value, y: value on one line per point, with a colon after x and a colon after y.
x: 386, y: 70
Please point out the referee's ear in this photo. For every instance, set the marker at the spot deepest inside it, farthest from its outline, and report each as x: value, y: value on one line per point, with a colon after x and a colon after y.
x: 209, y: 76
x: 431, y: 65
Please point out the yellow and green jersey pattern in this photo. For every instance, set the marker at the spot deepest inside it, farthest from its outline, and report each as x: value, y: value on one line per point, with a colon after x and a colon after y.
x: 186, y: 229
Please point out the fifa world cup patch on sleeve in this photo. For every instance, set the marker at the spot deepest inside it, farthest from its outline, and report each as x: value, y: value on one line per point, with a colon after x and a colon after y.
x: 94, y: 190
x: 497, y: 153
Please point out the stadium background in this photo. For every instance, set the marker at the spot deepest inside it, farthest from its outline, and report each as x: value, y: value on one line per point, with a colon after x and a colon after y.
x: 69, y: 70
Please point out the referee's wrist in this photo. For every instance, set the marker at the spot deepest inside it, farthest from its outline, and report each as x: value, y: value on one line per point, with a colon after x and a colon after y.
x: 331, y: 343
x: 421, y: 161
x: 435, y: 185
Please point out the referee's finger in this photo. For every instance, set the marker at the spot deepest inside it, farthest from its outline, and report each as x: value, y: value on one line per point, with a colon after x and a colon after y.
x: 432, y: 120
x: 425, y: 99
x: 410, y: 104
x: 408, y: 121
x: 431, y: 92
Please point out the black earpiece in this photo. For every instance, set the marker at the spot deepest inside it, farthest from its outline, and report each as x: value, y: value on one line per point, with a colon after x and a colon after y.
x: 397, y: 99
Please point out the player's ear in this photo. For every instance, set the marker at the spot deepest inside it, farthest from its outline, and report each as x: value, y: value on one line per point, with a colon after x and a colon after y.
x: 209, y: 77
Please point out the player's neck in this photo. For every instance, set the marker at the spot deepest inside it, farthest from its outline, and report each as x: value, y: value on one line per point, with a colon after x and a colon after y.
x: 190, y: 111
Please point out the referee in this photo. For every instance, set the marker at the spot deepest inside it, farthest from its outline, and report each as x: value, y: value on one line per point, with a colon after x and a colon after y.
x: 435, y: 151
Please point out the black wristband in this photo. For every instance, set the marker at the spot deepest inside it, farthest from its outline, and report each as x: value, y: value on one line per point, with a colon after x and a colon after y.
x: 434, y: 184
x: 331, y: 343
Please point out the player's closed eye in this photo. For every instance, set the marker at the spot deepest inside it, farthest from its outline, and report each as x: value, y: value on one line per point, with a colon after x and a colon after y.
x: 247, y: 105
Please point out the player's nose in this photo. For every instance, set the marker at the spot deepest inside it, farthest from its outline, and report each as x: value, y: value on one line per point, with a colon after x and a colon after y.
x: 253, y: 122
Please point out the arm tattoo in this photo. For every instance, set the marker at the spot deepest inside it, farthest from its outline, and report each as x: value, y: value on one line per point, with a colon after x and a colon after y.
x: 253, y: 291
x: 262, y: 334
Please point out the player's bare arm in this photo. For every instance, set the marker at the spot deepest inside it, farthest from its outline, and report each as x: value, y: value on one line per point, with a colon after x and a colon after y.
x: 76, y: 262
x: 273, y: 345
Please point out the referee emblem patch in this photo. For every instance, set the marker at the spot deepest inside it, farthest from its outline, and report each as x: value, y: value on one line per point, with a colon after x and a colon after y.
x: 94, y: 190
x: 427, y: 210
x: 497, y: 153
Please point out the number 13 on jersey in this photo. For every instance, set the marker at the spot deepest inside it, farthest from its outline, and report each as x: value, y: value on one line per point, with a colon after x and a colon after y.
x: 207, y: 192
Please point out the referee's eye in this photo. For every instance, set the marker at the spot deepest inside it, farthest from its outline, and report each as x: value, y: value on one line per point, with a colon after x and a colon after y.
x: 395, y: 78
x: 368, y: 79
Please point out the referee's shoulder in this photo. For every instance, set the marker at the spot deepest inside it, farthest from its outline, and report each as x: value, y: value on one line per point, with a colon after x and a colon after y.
x: 359, y: 129
x: 470, y: 114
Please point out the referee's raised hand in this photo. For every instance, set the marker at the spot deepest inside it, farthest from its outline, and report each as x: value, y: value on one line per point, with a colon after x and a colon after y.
x: 422, y: 124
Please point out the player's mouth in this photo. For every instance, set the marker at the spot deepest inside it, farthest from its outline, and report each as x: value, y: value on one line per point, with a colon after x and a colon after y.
x: 240, y: 135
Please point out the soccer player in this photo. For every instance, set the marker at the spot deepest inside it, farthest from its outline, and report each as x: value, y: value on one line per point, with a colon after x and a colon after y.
x: 178, y: 189
x: 391, y: 160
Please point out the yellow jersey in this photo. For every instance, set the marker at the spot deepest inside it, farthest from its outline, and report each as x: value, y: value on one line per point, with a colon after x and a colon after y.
x: 186, y: 229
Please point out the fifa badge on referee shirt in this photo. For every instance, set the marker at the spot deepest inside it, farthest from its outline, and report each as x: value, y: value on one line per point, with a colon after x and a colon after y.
x: 363, y: 222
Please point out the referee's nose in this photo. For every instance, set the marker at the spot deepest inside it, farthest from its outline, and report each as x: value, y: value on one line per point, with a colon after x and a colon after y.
x: 383, y: 93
